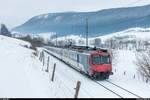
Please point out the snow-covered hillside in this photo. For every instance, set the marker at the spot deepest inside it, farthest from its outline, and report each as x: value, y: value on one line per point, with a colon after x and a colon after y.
x: 23, y: 75
x: 129, y: 34
x: 142, y: 34
x: 20, y: 71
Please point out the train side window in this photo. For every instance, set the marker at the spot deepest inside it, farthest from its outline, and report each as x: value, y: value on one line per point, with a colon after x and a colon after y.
x: 78, y: 58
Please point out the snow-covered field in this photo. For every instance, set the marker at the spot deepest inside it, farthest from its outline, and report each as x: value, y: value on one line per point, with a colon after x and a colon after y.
x: 126, y: 63
x: 126, y: 81
x: 129, y: 34
x: 23, y: 75
x: 19, y: 71
x: 44, y: 36
x: 139, y: 34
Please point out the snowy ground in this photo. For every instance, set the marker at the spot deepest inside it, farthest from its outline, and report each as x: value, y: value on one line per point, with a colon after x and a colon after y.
x: 129, y: 34
x: 19, y: 71
x: 136, y: 33
x: 126, y: 81
x: 126, y: 63
x: 23, y: 75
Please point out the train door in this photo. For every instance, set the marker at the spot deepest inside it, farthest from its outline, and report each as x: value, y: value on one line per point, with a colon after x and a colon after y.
x: 88, y: 65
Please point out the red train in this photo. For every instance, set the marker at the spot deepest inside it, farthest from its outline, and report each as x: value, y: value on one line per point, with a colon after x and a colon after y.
x: 96, y: 63
x: 101, y: 65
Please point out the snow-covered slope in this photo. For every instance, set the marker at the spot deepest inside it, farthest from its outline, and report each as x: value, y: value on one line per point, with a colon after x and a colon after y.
x: 19, y: 71
x: 126, y: 69
x: 129, y: 34
x: 45, y: 36
x: 132, y: 33
x: 23, y: 75
x: 66, y: 77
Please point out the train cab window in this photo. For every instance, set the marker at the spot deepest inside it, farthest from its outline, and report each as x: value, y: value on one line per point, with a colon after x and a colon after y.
x: 100, y: 59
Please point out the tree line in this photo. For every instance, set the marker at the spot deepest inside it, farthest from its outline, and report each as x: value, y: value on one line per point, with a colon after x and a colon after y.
x: 4, y: 31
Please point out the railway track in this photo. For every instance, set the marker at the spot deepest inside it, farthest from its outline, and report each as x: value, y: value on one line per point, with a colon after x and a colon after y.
x: 117, y: 90
x: 110, y: 86
x: 124, y: 89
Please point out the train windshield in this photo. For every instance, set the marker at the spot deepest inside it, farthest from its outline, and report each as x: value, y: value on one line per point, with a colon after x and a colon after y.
x: 100, y: 59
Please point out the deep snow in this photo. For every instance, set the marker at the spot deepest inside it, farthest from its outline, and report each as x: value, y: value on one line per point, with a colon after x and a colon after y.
x: 126, y: 81
x: 23, y: 75
x: 19, y: 71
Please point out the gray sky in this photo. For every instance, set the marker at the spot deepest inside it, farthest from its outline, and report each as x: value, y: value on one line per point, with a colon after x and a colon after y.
x: 16, y: 12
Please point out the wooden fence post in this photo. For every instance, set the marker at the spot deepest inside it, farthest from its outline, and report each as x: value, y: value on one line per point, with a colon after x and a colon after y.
x: 47, y: 70
x: 124, y: 73
x: 37, y: 53
x: 53, y: 72
x: 77, y: 89
x: 40, y: 56
x: 134, y: 76
x: 43, y: 59
x: 146, y: 80
x: 5, y: 98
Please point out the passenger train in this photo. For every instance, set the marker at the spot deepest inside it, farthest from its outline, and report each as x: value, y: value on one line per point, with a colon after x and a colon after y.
x: 96, y: 63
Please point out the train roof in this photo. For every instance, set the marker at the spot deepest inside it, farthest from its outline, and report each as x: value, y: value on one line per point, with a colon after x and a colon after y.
x: 85, y: 50
x: 92, y: 49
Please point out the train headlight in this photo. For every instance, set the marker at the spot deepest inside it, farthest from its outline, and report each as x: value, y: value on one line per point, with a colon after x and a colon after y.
x: 109, y: 69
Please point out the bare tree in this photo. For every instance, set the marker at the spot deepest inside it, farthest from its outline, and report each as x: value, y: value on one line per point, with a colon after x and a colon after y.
x: 4, y: 31
x: 114, y: 57
x: 97, y: 42
x: 80, y: 41
x: 71, y: 42
x: 61, y: 43
x: 143, y: 63
x: 146, y: 44
x: 111, y: 43
x: 35, y: 42
x: 50, y: 43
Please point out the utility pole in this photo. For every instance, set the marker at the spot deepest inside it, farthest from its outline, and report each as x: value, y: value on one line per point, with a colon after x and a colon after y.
x: 87, y: 32
x: 56, y: 39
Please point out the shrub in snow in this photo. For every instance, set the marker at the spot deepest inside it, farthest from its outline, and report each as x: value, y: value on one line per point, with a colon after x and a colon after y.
x: 143, y: 63
x: 97, y: 42
x: 111, y: 43
x: 35, y: 42
x: 114, y: 56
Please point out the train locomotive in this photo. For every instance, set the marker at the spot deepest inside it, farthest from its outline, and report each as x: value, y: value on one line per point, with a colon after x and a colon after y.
x: 94, y: 62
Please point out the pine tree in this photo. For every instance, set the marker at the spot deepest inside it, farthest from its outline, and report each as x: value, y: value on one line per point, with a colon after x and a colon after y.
x: 4, y: 31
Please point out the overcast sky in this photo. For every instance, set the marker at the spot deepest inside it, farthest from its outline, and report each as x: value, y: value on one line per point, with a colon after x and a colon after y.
x: 16, y: 12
